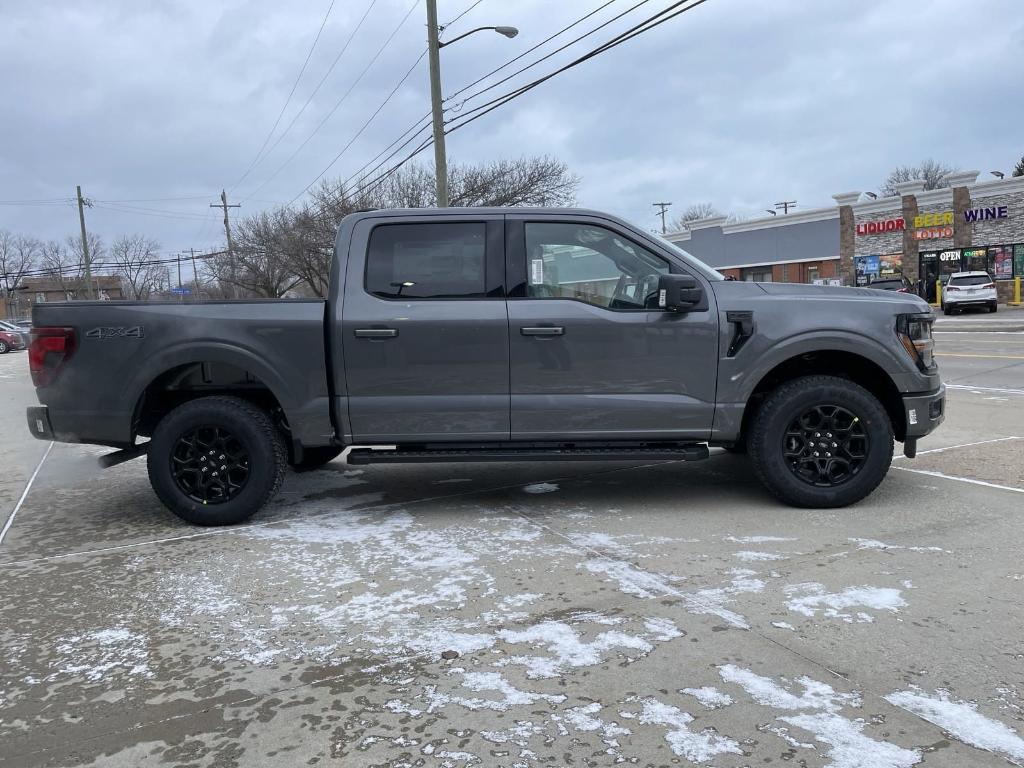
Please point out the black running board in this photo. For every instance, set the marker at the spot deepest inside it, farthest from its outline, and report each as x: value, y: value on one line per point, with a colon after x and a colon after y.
x: 440, y: 455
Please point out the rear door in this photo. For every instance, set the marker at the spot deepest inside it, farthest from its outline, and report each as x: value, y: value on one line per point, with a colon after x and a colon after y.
x: 425, y: 330
x: 591, y: 355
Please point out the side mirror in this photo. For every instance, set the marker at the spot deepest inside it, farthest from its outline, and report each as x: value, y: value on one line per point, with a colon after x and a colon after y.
x: 678, y: 293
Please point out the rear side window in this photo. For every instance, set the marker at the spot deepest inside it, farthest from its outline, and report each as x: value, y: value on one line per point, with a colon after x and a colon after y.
x: 427, y: 261
x: 970, y: 280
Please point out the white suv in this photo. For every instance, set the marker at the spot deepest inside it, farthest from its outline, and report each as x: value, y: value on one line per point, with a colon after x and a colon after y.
x: 969, y: 289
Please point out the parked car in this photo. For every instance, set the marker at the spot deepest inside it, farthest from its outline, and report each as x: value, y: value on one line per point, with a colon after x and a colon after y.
x: 6, y: 325
x: 969, y: 289
x: 10, y: 340
x: 896, y: 283
x: 493, y: 334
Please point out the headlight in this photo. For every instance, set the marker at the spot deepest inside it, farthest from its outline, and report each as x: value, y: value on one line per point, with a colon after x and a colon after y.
x: 915, y: 333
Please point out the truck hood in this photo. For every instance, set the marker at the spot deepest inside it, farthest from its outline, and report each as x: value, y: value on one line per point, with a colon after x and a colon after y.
x: 731, y: 289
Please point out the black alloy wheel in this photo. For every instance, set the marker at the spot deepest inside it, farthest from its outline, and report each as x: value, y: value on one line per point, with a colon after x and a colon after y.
x: 826, y: 445
x: 210, y: 465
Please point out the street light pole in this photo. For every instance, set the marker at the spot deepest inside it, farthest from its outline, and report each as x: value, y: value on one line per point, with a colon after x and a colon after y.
x: 434, y: 61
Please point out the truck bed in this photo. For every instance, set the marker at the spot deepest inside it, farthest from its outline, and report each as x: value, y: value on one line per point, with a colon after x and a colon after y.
x: 122, y: 348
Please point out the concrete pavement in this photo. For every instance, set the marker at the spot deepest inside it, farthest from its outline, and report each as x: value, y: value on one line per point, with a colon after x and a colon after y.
x: 571, y: 614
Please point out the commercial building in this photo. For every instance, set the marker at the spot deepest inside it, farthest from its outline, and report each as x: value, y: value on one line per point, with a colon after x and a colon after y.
x: 922, y: 235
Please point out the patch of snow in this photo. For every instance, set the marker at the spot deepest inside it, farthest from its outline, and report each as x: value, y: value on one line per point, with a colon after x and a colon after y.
x: 435, y: 641
x: 541, y: 488
x: 782, y: 625
x: 757, y: 539
x: 962, y: 720
x: 783, y: 733
x: 519, y: 734
x: 487, y: 681
x: 709, y: 696
x: 662, y: 629
x: 632, y: 580
x: 875, y: 544
x: 748, y: 556
x: 810, y: 597
x: 600, y: 541
x: 695, y: 747
x: 399, y: 707
x: 98, y: 654
x: 566, y: 648
x: 764, y: 690
x: 849, y: 747
x: 713, y: 601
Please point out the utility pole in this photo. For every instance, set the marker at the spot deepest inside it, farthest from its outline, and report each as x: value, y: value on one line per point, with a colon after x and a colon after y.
x: 434, y: 61
x: 785, y: 205
x: 82, y: 202
x: 227, y: 232
x: 663, y: 207
x: 195, y: 272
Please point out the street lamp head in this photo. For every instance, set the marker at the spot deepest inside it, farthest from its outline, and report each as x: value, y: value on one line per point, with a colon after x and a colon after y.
x: 508, y: 32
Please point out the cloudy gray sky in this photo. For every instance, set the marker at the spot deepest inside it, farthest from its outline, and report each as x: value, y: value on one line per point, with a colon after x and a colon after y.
x: 739, y: 102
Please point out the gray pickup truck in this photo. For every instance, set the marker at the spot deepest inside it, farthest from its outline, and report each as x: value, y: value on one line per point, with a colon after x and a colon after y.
x: 493, y: 335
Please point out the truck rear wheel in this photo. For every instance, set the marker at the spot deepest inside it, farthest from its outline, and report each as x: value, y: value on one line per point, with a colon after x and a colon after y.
x: 216, y: 460
x: 821, y: 441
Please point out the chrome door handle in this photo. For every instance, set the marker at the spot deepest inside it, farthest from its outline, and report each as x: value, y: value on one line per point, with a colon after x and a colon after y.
x: 544, y: 330
x: 376, y: 333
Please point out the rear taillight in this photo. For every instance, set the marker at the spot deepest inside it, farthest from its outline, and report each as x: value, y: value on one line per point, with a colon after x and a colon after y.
x: 951, y: 288
x: 48, y: 350
x: 902, y: 290
x: 989, y: 285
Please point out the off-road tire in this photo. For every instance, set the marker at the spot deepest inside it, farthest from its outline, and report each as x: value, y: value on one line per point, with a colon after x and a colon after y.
x: 778, y: 412
x: 249, y: 425
x: 314, y: 458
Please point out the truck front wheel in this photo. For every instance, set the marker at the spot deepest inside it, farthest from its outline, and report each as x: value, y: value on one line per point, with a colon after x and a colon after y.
x: 821, y: 441
x: 216, y: 460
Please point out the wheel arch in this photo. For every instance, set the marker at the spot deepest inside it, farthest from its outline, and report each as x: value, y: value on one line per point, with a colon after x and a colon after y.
x: 844, y: 363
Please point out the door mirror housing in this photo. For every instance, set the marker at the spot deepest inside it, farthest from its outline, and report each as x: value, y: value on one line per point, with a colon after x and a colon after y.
x: 679, y: 293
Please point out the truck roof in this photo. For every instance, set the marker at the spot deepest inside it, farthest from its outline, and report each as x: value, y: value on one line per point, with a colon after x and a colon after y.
x: 481, y: 211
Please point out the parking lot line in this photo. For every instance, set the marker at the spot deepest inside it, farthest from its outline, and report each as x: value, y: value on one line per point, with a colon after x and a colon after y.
x: 987, y: 357
x: 24, y: 494
x: 1000, y: 390
x: 970, y: 480
x: 964, y: 445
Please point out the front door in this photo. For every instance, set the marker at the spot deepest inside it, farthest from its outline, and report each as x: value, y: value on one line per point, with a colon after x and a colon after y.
x: 591, y: 355
x: 425, y: 331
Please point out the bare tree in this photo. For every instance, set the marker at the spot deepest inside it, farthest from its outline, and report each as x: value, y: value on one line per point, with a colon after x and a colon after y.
x: 258, y: 264
x: 61, y: 265
x: 133, y: 257
x: 695, y: 212
x: 18, y: 255
x: 932, y: 173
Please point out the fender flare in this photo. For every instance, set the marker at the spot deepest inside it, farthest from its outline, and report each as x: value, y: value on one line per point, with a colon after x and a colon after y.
x: 827, y: 340
x: 190, y: 353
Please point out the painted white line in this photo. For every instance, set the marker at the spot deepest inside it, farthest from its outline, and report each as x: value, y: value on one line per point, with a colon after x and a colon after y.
x: 1000, y: 390
x: 930, y: 473
x: 963, y: 445
x: 24, y: 494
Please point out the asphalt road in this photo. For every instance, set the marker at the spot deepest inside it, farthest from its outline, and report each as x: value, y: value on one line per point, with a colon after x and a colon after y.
x: 577, y: 614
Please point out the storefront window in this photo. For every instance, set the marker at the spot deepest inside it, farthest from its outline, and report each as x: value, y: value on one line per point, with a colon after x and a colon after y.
x: 1001, y: 259
x: 1018, y: 260
x: 977, y: 260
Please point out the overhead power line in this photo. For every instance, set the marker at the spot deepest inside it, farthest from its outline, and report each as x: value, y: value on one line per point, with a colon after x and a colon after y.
x: 635, y: 31
x: 362, y: 128
x: 319, y: 85
x: 543, y: 42
x: 474, y: 5
x: 662, y: 16
x: 340, y: 101
x: 288, y: 100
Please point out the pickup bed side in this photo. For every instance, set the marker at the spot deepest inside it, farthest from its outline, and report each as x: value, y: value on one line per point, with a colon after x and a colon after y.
x: 133, y: 362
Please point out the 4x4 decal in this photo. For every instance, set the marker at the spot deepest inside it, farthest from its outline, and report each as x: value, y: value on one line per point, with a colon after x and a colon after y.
x: 119, y: 332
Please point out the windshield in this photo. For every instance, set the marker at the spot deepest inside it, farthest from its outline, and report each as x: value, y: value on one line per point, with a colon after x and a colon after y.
x: 708, y: 272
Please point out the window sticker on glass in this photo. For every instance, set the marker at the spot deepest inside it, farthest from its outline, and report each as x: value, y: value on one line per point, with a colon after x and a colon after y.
x: 537, y: 272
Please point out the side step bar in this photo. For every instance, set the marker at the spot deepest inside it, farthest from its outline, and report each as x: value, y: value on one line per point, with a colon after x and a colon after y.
x: 694, y: 452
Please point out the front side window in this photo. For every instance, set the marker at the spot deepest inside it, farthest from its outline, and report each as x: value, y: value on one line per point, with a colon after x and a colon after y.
x: 427, y: 261
x: 591, y: 264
